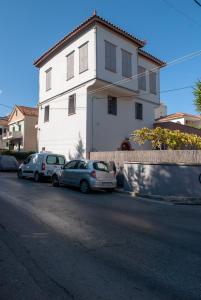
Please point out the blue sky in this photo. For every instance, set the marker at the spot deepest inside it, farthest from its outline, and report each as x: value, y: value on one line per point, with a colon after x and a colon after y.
x: 29, y: 27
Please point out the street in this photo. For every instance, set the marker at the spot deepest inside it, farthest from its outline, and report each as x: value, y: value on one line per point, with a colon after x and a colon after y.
x: 56, y: 243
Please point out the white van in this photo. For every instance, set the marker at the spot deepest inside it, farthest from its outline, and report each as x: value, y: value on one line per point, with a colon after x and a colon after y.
x: 42, y: 164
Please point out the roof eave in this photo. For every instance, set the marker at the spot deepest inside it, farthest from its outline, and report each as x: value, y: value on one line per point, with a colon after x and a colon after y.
x: 78, y: 30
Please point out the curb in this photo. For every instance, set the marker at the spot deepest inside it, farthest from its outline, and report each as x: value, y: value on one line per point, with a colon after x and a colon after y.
x: 177, y: 200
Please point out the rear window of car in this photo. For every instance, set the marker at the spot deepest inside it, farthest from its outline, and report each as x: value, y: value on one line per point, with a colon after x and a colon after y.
x: 101, y: 166
x: 55, y: 160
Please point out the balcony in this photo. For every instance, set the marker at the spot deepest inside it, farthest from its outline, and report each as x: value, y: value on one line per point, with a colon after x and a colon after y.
x: 12, y: 135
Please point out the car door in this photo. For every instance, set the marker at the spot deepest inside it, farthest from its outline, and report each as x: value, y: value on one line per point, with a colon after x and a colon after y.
x: 26, y: 167
x: 68, y: 172
x: 80, y: 172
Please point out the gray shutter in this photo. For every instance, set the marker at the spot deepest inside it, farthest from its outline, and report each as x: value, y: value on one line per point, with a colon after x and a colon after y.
x: 83, y: 58
x: 48, y: 79
x: 110, y: 57
x: 152, y: 82
x: 141, y: 78
x: 70, y: 66
x: 126, y: 64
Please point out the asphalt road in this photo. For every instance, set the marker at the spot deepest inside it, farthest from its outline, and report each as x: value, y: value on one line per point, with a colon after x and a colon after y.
x: 56, y: 243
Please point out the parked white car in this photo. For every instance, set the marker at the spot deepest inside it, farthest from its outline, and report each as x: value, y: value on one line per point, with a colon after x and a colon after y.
x: 40, y: 165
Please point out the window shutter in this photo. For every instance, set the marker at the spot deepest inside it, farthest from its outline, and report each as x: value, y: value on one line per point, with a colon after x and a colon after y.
x: 138, y: 111
x: 152, y: 82
x: 83, y: 58
x: 112, y: 105
x: 48, y: 79
x: 70, y: 66
x: 72, y: 104
x: 141, y: 78
x: 110, y: 57
x: 126, y: 64
x: 46, y: 113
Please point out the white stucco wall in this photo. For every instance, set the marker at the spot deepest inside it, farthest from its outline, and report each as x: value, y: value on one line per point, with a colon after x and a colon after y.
x: 59, y: 68
x: 108, y: 130
x: 61, y: 133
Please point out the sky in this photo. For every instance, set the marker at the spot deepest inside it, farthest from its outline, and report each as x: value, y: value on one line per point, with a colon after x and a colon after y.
x: 172, y: 29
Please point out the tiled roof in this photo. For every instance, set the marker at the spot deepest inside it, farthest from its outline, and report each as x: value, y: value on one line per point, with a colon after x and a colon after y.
x: 28, y: 111
x: 152, y: 58
x: 85, y: 25
x: 4, y: 121
x: 177, y: 115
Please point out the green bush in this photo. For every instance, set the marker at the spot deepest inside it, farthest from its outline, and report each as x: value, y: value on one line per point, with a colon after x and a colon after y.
x: 17, y: 155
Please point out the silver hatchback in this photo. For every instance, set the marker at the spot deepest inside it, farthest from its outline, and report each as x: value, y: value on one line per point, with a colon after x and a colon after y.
x: 86, y: 174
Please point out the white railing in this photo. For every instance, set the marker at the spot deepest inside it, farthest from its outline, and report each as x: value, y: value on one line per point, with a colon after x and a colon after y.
x: 12, y: 135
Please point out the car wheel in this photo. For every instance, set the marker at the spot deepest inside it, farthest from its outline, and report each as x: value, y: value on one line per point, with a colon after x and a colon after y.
x: 19, y: 174
x: 36, y: 177
x: 55, y: 181
x: 84, y: 187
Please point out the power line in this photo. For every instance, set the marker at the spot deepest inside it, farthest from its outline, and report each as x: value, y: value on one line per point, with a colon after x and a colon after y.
x: 170, y: 63
x: 98, y: 98
x: 197, y: 2
x: 181, y: 12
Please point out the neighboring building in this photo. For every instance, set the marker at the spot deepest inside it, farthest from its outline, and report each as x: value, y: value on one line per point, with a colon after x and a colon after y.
x: 3, y: 130
x: 161, y: 111
x: 181, y: 121
x: 22, y: 134
x: 90, y: 92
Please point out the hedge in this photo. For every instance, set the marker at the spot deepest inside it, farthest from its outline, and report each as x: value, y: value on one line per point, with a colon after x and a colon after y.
x: 17, y: 155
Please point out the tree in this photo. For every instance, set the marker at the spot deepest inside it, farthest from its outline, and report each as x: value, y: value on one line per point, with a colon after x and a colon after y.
x: 172, y: 139
x: 197, y: 96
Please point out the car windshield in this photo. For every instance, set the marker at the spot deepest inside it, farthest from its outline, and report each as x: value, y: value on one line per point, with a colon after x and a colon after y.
x: 101, y: 166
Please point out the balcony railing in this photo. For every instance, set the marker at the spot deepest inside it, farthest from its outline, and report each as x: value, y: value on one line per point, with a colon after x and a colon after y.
x: 12, y: 135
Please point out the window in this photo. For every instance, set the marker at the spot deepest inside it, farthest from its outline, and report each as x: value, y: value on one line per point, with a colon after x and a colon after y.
x: 70, y: 65
x: 71, y: 165
x: 138, y: 111
x: 1, y: 131
x: 126, y: 64
x: 141, y: 78
x: 61, y: 160
x: 49, y: 79
x: 13, y: 129
x: 16, y: 112
x: 110, y: 57
x: 5, y: 130
x: 82, y: 165
x: 101, y: 166
x: 83, y: 58
x: 152, y: 82
x: 112, y: 105
x: 19, y: 127
x: 72, y: 104
x: 51, y: 160
x: 46, y: 113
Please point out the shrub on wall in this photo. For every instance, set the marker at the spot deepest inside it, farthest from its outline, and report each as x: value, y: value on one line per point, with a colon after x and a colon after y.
x: 18, y: 155
x: 161, y: 138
